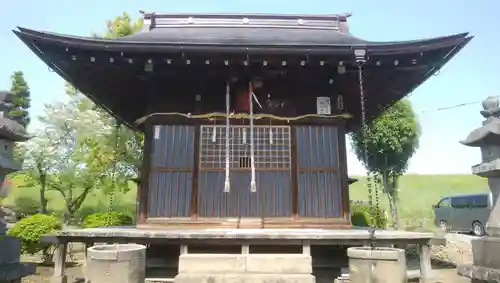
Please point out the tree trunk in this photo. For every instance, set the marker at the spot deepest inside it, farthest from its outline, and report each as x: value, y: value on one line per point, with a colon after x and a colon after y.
x: 43, y: 200
x: 389, y: 188
x: 43, y: 188
x: 396, y: 200
x: 394, y: 211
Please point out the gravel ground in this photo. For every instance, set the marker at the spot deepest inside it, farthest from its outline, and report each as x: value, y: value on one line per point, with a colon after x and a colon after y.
x: 457, y: 251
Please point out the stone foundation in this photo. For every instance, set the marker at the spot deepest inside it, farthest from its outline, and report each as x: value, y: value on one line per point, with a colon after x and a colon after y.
x: 245, y: 268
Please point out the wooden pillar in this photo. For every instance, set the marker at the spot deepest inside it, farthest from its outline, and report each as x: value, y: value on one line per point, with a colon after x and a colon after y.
x: 294, y: 182
x: 59, y: 275
x: 143, y: 189
x: 183, y: 249
x: 87, y: 246
x: 245, y: 249
x: 342, y: 164
x: 196, y: 172
x: 425, y: 263
x: 306, y: 248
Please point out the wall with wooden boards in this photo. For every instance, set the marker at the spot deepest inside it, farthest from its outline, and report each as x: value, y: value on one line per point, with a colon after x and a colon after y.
x: 171, y: 171
x: 318, y: 172
x: 309, y: 189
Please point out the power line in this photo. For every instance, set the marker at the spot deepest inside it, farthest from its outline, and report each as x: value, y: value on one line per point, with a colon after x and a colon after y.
x: 454, y: 106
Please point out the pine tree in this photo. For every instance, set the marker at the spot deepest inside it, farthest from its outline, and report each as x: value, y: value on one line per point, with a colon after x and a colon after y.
x: 20, y: 100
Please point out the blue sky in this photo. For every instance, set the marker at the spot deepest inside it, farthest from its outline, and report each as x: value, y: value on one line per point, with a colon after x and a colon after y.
x: 471, y: 76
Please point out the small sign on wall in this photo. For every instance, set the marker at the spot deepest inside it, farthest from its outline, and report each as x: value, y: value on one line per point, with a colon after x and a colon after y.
x: 157, y: 132
x: 323, y: 105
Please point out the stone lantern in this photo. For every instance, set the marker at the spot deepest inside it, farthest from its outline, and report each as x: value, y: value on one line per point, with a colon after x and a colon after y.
x: 486, y: 250
x: 11, y: 269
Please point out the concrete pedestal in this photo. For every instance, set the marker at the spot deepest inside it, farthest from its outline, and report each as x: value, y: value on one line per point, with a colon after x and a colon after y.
x: 486, y: 264
x: 245, y: 268
x: 11, y: 269
x: 116, y: 263
x: 384, y: 265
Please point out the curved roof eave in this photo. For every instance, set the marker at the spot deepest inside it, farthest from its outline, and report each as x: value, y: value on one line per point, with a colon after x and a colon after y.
x: 374, y: 48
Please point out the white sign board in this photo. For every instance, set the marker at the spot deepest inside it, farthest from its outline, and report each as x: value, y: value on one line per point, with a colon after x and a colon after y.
x: 323, y: 105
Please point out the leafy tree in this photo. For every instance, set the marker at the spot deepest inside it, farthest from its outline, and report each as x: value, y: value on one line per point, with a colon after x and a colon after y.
x: 20, y: 100
x: 126, y: 144
x: 75, y: 163
x: 122, y: 26
x: 82, y: 147
x: 37, y: 165
x: 391, y: 140
x: 19, y: 108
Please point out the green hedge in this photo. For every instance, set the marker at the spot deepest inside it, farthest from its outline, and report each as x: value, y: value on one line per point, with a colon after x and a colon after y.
x: 360, y: 216
x: 107, y: 219
x: 31, y: 229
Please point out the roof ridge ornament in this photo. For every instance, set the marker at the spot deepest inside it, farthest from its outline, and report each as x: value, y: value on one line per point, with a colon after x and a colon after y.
x: 152, y: 25
x: 152, y: 18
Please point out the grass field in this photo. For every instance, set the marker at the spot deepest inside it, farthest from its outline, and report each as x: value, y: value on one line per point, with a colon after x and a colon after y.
x: 417, y: 194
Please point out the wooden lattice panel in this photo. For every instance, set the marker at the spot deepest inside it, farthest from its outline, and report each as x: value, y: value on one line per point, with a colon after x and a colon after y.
x: 272, y: 147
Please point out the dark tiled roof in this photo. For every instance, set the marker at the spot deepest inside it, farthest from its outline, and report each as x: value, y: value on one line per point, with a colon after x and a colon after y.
x: 260, y: 36
x: 301, y: 36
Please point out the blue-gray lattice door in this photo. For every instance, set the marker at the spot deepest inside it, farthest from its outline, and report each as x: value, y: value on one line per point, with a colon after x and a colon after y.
x: 272, y: 147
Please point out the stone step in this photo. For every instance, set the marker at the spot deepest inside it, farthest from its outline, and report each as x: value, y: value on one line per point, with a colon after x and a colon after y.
x: 244, y: 278
x: 411, y: 276
x: 245, y: 263
x: 159, y: 280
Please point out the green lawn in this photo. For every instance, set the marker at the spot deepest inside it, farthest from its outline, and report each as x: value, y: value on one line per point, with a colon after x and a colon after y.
x: 55, y: 201
x: 417, y: 195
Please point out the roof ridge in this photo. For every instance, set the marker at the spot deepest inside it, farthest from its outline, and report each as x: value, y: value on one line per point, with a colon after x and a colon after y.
x: 342, y: 16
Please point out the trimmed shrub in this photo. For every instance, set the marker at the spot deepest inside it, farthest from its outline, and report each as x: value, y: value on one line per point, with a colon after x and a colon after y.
x: 127, y: 208
x: 360, y: 216
x: 31, y: 229
x: 107, y: 219
x: 84, y: 212
x: 25, y: 206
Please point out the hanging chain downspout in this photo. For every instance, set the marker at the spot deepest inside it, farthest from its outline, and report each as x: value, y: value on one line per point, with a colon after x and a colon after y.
x: 360, y: 61
x: 113, y: 174
x: 227, y: 180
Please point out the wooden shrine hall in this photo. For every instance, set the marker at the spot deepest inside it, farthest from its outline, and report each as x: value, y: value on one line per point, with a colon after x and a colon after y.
x: 245, y: 116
